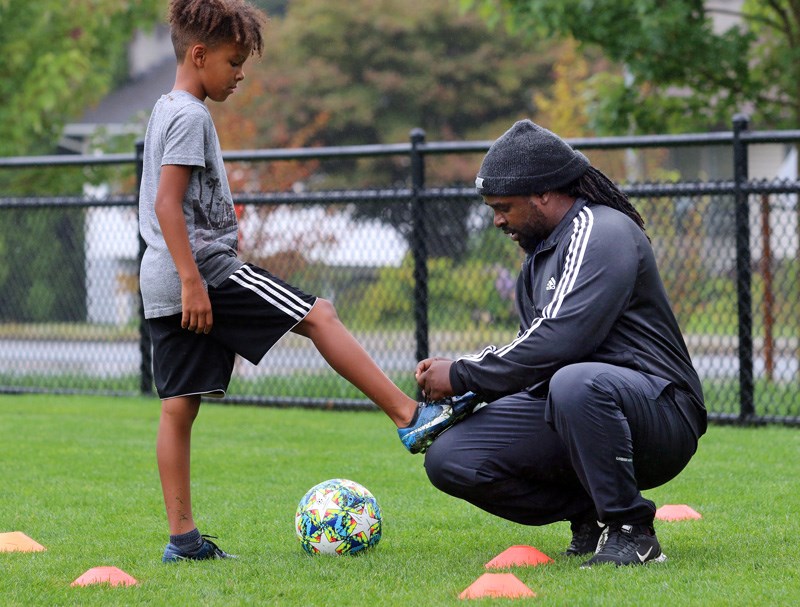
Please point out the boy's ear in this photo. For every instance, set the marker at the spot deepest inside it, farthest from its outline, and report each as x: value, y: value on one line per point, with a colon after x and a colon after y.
x: 198, y: 54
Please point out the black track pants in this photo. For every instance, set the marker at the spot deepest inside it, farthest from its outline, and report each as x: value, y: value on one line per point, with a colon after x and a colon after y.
x: 601, y: 435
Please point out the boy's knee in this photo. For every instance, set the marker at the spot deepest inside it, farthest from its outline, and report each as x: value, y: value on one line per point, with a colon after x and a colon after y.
x: 322, y: 315
x: 323, y: 312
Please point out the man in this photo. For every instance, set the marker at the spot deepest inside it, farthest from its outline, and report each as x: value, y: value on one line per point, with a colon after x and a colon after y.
x: 596, y: 398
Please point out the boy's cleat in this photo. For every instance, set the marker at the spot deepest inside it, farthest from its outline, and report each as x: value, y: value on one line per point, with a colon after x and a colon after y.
x: 431, y: 419
x: 209, y: 550
x: 585, y: 537
x: 627, y: 545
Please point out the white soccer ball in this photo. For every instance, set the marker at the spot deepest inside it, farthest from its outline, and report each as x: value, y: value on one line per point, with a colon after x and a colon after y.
x: 338, y: 517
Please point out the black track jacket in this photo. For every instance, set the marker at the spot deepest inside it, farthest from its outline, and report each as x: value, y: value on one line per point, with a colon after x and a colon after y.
x: 590, y: 292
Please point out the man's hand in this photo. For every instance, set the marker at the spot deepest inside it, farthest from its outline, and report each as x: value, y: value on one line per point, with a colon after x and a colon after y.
x: 196, y: 307
x: 433, y: 376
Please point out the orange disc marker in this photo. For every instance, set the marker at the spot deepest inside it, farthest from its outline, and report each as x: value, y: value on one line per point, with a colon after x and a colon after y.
x: 16, y: 541
x: 519, y: 556
x: 676, y: 512
x: 105, y: 575
x: 505, y: 585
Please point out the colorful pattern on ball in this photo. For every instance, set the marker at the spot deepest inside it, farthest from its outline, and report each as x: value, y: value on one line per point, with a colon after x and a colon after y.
x: 338, y: 516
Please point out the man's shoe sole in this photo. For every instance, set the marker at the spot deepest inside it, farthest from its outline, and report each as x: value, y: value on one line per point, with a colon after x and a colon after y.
x: 659, y: 559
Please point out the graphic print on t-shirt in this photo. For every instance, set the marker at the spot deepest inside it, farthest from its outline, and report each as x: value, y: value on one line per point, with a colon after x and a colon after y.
x: 212, y: 211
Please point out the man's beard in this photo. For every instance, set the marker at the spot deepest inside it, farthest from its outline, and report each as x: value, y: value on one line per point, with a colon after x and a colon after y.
x: 528, y: 242
x: 532, y: 237
x: 535, y: 231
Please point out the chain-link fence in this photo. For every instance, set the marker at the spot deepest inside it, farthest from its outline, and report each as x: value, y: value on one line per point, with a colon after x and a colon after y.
x: 413, y: 271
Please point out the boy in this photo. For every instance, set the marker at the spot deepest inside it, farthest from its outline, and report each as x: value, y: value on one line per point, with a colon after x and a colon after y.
x: 203, y: 305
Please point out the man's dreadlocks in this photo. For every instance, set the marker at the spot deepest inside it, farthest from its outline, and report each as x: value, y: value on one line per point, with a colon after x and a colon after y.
x: 594, y: 186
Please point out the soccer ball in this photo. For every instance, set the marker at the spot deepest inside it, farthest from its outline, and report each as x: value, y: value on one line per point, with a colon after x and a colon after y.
x: 338, y: 517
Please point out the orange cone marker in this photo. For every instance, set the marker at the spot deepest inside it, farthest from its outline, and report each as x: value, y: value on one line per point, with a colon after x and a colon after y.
x: 505, y: 585
x: 676, y: 512
x: 16, y: 541
x: 519, y: 556
x: 105, y: 575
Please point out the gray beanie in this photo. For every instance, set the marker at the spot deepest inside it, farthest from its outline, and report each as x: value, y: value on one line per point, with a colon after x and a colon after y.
x: 528, y: 159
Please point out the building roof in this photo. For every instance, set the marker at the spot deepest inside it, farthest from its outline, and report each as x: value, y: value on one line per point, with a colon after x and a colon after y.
x: 127, y: 108
x: 133, y: 98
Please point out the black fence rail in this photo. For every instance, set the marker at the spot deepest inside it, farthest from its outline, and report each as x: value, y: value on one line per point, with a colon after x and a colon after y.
x: 414, y: 269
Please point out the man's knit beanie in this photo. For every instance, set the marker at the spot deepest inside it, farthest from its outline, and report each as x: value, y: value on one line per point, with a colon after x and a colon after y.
x: 528, y: 159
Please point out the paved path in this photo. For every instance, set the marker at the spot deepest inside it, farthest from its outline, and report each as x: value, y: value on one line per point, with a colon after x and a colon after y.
x: 394, y: 354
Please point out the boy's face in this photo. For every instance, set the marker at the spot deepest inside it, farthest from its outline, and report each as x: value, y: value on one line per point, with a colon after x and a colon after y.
x: 221, y: 69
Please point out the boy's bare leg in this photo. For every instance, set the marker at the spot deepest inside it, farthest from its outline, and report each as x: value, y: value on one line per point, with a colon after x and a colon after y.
x: 349, y: 359
x: 173, y: 453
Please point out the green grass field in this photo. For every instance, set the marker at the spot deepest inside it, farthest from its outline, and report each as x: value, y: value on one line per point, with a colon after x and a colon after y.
x: 78, y: 475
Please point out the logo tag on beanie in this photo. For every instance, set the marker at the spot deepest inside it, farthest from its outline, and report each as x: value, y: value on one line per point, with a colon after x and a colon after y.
x: 479, y: 182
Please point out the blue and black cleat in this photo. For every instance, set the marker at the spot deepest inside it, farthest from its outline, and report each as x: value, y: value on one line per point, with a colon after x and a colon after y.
x: 431, y: 419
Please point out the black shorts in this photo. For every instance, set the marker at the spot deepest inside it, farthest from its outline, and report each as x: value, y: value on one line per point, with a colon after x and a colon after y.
x: 252, y: 310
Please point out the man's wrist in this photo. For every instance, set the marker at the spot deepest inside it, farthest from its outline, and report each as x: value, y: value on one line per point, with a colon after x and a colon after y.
x: 455, y: 380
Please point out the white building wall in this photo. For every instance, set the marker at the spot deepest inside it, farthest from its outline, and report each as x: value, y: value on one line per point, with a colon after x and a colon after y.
x: 112, y: 248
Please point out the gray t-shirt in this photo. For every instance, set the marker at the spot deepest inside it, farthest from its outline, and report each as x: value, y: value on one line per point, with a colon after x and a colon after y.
x: 181, y: 132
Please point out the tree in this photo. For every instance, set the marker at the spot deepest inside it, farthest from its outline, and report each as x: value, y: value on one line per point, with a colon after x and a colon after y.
x: 376, y: 69
x: 675, y: 72
x: 564, y: 110
x: 57, y: 59
x: 272, y: 7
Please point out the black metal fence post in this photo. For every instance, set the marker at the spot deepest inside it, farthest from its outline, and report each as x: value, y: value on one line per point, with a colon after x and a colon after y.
x: 145, y: 345
x: 743, y: 270
x: 419, y: 245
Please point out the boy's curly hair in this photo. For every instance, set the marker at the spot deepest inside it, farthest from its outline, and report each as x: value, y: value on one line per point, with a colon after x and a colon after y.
x: 213, y: 22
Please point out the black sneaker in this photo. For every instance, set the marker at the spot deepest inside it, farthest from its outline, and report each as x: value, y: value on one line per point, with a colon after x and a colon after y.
x: 627, y: 545
x: 209, y: 550
x: 585, y: 536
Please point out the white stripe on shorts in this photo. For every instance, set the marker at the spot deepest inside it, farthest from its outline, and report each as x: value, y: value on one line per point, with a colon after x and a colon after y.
x: 274, y: 293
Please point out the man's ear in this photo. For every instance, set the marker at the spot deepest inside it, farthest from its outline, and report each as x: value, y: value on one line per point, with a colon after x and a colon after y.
x: 198, y: 54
